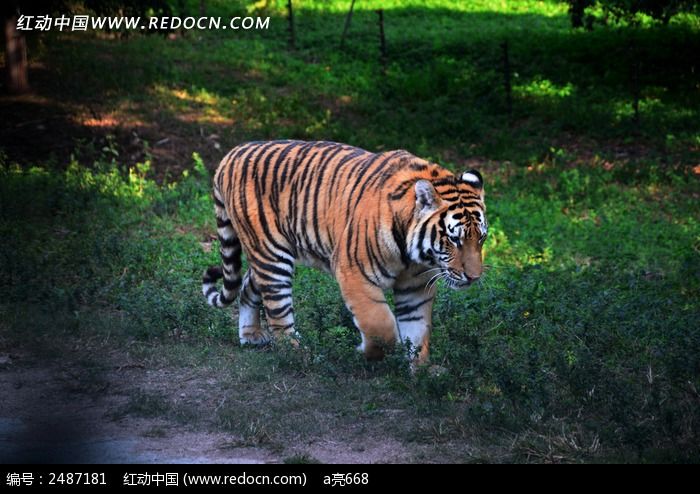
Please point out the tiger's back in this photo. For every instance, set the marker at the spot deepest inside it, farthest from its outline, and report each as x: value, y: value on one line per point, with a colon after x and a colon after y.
x: 371, y: 219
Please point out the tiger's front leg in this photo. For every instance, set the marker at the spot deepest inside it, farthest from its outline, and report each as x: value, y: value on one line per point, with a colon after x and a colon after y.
x: 413, y: 301
x: 370, y: 311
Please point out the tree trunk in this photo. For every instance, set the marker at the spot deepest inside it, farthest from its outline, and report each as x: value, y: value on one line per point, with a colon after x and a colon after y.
x: 576, y: 9
x: 15, y: 57
x: 348, y: 20
x: 290, y: 20
x: 382, y: 38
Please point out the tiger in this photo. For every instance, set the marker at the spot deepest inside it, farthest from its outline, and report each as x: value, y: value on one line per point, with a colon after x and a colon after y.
x: 375, y: 221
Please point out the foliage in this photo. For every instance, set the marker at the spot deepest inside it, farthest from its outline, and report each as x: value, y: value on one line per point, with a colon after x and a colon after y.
x: 617, y: 10
x: 658, y: 9
x: 99, y: 7
x: 441, y: 94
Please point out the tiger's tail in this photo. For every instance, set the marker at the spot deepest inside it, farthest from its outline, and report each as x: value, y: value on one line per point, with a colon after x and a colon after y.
x: 230, y: 270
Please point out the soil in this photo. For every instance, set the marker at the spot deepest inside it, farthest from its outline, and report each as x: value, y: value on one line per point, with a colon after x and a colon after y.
x: 52, y: 412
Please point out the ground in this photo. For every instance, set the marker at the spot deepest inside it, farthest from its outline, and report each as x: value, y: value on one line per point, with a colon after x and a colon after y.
x: 69, y: 410
x: 75, y: 425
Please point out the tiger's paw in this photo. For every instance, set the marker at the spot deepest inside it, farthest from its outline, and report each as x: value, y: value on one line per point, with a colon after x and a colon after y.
x: 374, y: 350
x: 253, y: 335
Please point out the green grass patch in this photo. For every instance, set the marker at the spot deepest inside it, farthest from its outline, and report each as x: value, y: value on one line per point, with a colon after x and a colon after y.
x: 584, y: 328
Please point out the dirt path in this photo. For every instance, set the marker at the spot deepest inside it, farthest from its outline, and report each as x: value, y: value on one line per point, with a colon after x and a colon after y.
x: 50, y: 414
x: 63, y: 413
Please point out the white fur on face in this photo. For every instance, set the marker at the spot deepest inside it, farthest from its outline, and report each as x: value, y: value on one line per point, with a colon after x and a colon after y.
x: 483, y: 228
x: 454, y: 227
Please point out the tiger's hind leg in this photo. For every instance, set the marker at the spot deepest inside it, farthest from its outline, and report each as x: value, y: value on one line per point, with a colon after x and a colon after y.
x: 250, y: 331
x: 276, y: 292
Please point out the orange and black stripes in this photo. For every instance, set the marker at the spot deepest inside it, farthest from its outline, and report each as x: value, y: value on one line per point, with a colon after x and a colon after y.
x: 368, y: 218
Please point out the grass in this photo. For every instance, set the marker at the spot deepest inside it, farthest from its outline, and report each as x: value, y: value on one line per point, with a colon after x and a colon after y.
x: 439, y: 95
x: 581, y: 345
x: 576, y: 341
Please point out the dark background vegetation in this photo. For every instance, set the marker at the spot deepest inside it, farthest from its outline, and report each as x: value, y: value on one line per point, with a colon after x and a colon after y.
x: 582, y: 343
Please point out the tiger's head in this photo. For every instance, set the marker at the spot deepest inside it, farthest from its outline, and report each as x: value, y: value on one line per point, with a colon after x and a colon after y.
x: 450, y: 227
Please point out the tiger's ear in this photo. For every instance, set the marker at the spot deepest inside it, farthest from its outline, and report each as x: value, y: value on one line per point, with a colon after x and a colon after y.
x: 474, y: 178
x: 427, y: 198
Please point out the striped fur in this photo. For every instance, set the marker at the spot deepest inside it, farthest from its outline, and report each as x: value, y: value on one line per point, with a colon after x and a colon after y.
x: 375, y: 221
